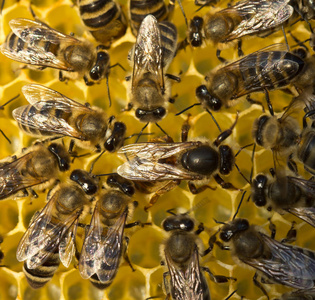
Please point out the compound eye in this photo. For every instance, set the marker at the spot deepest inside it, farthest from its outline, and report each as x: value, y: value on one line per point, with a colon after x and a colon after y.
x: 95, y: 73
x: 195, y: 39
x: 128, y: 190
x: 159, y: 112
x: 260, y: 182
x: 140, y: 113
x: 187, y: 225
x: 242, y: 225
x: 226, y: 235
x: 206, y: 99
x: 168, y: 224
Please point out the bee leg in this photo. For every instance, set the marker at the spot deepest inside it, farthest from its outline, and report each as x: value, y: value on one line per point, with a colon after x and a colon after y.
x: 239, y: 48
x: 25, y: 193
x: 181, y: 45
x: 185, y: 129
x: 166, y: 285
x: 137, y: 223
x: 129, y: 107
x: 272, y: 228
x: 291, y: 235
x: 217, y: 278
x: 252, y: 101
x: 221, y: 59
x: 33, y: 193
x: 194, y: 190
x: 126, y: 258
x: 172, y: 99
x: 173, y: 77
x: 292, y: 165
x: 268, y: 102
x: 223, y: 184
x: 171, y: 184
x: 61, y: 77
x: 225, y: 134
x: 127, y: 78
x: 259, y: 285
x: 87, y: 82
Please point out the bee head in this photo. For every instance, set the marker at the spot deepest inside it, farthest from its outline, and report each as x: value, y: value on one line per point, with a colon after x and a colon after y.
x: 85, y: 180
x: 125, y: 185
x: 178, y: 222
x: 101, y: 67
x: 226, y: 159
x: 258, y: 190
x: 230, y: 229
x: 62, y: 156
x: 259, y: 127
x: 195, y: 35
x: 206, y: 99
x: 153, y: 115
x: 116, y: 138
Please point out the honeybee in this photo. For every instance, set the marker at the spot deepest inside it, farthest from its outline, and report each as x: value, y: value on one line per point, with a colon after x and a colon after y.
x: 103, y: 245
x: 35, y: 43
x: 267, y: 69
x: 153, y: 52
x: 50, y: 237
x: 38, y: 166
x: 104, y: 19
x: 196, y: 161
x: 52, y: 114
x: 140, y: 9
x: 304, y: 8
x: 277, y: 262
x: 244, y: 18
x: 285, y: 194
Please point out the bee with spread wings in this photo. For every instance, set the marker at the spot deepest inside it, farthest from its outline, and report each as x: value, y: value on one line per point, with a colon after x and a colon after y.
x: 35, y: 43
x: 277, y: 262
x: 53, y: 114
x: 285, y: 194
x: 50, y: 237
x: 38, y: 166
x: 103, y: 245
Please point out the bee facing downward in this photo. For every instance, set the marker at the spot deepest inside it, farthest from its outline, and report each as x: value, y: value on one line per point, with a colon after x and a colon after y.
x: 36, y: 44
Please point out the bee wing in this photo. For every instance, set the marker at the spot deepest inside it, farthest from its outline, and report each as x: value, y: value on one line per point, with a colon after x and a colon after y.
x: 67, y: 244
x: 258, y: 16
x: 307, y: 186
x: 155, y: 151
x: 292, y: 266
x: 187, y: 285
x: 307, y: 214
x: 268, y: 68
x: 34, y: 53
x: 12, y: 180
x: 148, y: 51
x: 100, y: 255
x: 42, y: 236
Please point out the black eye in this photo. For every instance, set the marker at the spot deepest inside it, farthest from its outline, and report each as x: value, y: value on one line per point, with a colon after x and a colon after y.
x: 140, y: 113
x: 168, y: 225
x: 95, y: 73
x: 159, y: 112
x: 226, y: 235
x: 187, y: 225
x: 127, y: 189
x: 206, y: 99
x: 242, y: 225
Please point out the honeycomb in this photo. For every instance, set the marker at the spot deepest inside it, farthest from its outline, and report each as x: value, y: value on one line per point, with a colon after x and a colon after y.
x: 144, y: 244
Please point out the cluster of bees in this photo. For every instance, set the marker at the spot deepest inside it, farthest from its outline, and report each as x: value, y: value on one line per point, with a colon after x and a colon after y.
x: 101, y: 209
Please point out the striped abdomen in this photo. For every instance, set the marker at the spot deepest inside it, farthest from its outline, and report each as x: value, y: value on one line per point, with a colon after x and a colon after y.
x: 38, y: 122
x: 39, y: 276
x: 104, y: 19
x: 269, y: 70
x: 139, y: 9
x: 169, y: 42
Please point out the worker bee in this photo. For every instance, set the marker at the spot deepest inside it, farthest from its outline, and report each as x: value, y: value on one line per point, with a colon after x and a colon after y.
x: 104, y: 19
x: 243, y: 18
x: 153, y: 52
x: 140, y: 9
x: 180, y: 252
x: 196, y: 161
x: 53, y: 114
x: 267, y: 69
x: 50, y: 237
x: 285, y: 194
x: 38, y: 166
x: 305, y: 9
x: 36, y: 44
x: 277, y: 262
x: 103, y: 245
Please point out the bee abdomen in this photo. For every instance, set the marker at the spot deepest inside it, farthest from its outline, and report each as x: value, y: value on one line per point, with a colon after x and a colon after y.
x: 98, y: 284
x: 39, y: 276
x: 169, y: 41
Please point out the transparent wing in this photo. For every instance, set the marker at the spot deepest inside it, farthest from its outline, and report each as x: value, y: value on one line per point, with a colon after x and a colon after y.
x: 307, y: 214
x: 186, y: 285
x: 101, y: 254
x: 292, y: 266
x: 148, y: 51
x: 12, y: 179
x: 270, y: 73
x: 258, y: 16
x: 36, y: 34
x: 307, y: 186
x: 43, y: 236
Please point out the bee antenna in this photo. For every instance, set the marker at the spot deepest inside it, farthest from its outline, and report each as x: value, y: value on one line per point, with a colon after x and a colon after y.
x: 5, y: 136
x: 243, y: 147
x: 203, y: 5
x: 285, y: 38
x: 108, y: 92
x: 238, y: 169
x: 107, y: 174
x: 231, y: 295
x: 158, y: 126
x: 2, y: 6
x: 252, y: 170
x: 214, y: 120
x: 141, y: 131
x: 3, y: 105
x: 219, y: 222
x: 136, y: 134
x: 95, y: 160
x: 171, y: 211
x: 239, y: 205
x: 183, y: 12
x: 187, y: 108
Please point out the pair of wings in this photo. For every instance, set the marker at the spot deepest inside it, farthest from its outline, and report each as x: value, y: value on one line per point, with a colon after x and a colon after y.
x: 148, y: 51
x: 258, y: 16
x: 186, y: 284
x: 12, y: 180
x: 143, y: 161
x: 289, y: 265
x: 44, y: 235
x: 43, y: 99
x: 268, y: 69
x: 101, y: 253
x: 35, y: 35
